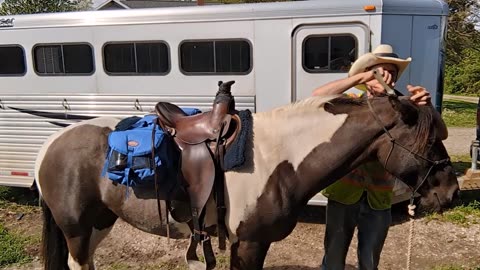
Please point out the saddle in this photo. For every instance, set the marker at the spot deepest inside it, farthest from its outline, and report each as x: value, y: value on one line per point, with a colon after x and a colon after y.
x: 202, y: 140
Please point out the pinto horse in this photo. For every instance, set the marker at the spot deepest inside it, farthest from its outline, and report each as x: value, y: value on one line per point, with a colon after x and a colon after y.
x: 294, y: 152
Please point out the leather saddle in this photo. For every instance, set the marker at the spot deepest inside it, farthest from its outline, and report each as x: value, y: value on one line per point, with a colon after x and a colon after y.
x: 203, y: 139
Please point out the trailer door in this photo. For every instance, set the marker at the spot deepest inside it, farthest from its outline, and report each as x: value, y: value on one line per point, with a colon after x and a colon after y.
x: 323, y: 53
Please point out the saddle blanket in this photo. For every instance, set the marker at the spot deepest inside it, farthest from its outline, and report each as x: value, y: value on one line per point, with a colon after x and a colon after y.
x: 129, y: 158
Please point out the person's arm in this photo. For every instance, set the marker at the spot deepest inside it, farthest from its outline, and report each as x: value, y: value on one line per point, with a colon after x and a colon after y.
x: 441, y: 126
x: 342, y: 85
x: 338, y: 86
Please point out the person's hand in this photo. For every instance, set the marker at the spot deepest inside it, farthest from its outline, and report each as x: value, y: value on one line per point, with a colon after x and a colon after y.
x: 420, y: 95
x: 368, y: 76
x: 374, y: 86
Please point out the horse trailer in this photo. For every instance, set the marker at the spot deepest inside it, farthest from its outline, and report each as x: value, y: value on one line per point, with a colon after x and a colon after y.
x: 59, y: 68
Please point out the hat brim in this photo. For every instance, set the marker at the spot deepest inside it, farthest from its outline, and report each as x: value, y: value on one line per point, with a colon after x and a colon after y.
x: 370, y: 59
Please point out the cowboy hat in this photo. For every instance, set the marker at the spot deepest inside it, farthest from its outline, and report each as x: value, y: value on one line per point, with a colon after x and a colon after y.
x: 383, y: 54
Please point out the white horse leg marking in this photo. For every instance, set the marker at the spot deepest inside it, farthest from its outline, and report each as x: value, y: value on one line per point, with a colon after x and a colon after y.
x: 74, y: 265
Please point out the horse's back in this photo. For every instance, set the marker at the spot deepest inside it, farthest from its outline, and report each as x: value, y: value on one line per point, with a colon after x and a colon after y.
x: 66, y: 145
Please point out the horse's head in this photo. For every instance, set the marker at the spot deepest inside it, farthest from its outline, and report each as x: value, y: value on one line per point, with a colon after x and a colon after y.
x: 411, y: 148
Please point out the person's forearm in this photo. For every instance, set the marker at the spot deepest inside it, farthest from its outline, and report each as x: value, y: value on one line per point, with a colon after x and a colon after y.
x: 441, y: 126
x: 338, y: 86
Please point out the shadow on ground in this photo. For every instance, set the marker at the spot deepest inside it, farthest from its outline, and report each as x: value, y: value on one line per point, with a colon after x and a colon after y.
x: 22, y: 196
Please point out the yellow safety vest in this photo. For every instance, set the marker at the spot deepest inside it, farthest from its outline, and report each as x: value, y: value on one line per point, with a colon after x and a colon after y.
x: 371, y: 178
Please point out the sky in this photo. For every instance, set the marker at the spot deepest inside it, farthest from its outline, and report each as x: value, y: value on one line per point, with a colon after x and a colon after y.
x: 96, y: 3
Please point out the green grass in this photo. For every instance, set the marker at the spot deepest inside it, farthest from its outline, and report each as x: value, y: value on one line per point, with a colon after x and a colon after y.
x: 463, y: 215
x: 459, y: 113
x: 12, y: 248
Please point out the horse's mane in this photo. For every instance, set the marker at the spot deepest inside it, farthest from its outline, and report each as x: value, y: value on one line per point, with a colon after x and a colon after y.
x: 304, y: 105
x: 423, y: 129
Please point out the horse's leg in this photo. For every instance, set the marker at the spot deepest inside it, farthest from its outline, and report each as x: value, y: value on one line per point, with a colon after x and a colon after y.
x: 82, y: 246
x: 95, y: 239
x: 54, y: 248
x: 247, y: 255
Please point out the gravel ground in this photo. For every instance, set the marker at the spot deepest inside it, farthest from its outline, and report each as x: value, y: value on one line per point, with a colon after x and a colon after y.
x: 459, y: 140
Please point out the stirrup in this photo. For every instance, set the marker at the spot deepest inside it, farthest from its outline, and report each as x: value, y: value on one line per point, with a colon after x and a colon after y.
x: 191, y: 257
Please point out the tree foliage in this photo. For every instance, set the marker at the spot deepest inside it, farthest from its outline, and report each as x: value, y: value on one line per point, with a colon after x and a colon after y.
x: 464, y: 16
x: 464, y: 77
x: 12, y: 7
x: 462, y: 72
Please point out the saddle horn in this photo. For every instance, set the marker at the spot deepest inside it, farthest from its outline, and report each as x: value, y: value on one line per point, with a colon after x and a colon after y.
x: 224, y: 95
x: 225, y: 88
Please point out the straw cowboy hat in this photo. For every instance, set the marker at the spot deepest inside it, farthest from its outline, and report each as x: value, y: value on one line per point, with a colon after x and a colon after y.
x: 383, y: 54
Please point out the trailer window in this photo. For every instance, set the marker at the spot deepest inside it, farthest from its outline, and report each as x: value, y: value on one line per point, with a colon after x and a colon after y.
x: 215, y: 57
x: 13, y: 60
x: 329, y: 53
x: 63, y: 59
x: 136, y: 58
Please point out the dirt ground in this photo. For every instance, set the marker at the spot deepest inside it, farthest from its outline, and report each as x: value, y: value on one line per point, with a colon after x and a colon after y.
x: 435, y: 244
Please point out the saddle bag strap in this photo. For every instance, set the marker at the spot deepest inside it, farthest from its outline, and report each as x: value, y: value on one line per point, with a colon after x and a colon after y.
x: 197, y: 229
x: 157, y: 190
x: 220, y: 196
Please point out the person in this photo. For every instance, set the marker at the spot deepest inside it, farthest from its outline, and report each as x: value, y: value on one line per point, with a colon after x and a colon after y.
x: 363, y: 197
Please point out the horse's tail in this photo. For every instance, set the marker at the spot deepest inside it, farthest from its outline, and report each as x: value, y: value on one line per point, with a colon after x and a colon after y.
x: 54, y: 245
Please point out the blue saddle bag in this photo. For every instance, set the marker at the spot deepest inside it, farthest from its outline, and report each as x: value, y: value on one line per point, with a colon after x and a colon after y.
x: 129, y: 159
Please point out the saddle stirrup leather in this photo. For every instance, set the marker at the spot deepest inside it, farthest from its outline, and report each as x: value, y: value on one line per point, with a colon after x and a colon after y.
x: 201, y: 139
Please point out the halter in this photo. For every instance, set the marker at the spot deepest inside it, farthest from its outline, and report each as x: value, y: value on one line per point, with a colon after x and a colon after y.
x: 394, y: 142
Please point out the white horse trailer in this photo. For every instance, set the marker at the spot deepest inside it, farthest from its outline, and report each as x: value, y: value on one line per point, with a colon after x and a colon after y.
x: 59, y: 68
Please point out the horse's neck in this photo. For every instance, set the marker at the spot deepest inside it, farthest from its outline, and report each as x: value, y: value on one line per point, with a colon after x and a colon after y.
x: 291, y: 137
x: 319, y: 146
x: 293, y: 156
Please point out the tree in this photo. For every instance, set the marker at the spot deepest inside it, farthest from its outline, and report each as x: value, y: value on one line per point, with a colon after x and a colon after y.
x: 464, y: 78
x: 462, y: 71
x: 462, y: 35
x: 12, y: 7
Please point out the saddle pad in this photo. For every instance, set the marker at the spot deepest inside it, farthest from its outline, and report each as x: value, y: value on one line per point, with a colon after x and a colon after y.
x: 235, y: 155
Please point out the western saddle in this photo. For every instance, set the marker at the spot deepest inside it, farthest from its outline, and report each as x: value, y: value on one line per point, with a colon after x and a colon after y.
x: 202, y: 140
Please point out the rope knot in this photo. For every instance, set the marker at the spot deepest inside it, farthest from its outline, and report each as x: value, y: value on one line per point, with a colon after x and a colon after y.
x: 411, y: 209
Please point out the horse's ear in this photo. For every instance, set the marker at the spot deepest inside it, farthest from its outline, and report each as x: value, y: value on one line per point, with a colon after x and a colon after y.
x: 407, y: 110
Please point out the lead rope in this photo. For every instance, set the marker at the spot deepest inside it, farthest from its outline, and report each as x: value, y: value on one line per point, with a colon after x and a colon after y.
x: 411, y: 212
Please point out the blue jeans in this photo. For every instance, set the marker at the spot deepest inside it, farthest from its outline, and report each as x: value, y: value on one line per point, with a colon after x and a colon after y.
x: 340, y: 225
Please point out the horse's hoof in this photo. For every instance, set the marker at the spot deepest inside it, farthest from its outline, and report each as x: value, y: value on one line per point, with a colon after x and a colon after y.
x: 196, y: 265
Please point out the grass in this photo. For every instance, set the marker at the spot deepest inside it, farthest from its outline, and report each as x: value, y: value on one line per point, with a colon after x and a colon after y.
x: 18, y: 200
x: 13, y: 248
x: 459, y: 113
x: 463, y: 215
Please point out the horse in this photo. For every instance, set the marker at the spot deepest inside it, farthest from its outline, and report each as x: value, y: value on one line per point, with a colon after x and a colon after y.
x: 294, y: 152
